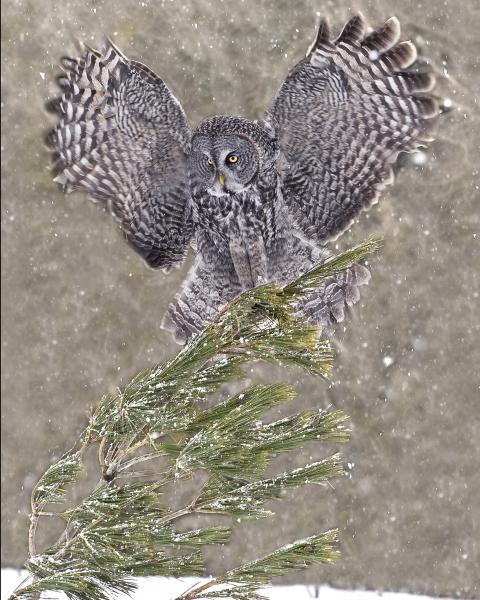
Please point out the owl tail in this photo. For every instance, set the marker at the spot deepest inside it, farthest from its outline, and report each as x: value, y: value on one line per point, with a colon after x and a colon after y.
x: 202, y: 294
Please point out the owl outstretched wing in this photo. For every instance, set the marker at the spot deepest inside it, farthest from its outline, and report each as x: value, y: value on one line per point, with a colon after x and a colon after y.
x: 342, y: 116
x: 123, y: 137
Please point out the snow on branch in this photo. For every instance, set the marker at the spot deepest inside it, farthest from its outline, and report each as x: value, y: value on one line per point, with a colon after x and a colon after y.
x: 124, y: 528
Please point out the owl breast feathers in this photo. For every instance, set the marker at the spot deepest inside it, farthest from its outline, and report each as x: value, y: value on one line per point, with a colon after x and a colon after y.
x: 257, y: 200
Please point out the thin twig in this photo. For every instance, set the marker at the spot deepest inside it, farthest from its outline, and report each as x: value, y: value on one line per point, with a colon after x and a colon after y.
x: 43, y: 513
x: 193, y: 593
x: 101, y: 453
x: 138, y: 459
x: 32, y: 530
x: 138, y: 474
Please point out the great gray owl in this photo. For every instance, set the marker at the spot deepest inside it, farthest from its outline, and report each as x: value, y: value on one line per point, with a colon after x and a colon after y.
x: 257, y: 200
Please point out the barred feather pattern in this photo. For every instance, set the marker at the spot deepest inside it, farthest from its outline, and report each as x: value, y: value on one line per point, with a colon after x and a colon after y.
x: 330, y: 302
x: 124, y: 138
x: 205, y: 290
x: 342, y: 116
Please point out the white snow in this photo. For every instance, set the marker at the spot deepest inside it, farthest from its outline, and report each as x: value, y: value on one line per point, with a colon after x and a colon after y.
x: 388, y: 361
x: 168, y: 589
x: 419, y: 158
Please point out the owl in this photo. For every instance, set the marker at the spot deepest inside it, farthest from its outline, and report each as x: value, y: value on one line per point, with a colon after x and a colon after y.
x: 257, y: 200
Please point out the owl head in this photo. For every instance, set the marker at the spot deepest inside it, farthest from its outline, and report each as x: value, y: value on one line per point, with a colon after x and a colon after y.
x: 228, y: 153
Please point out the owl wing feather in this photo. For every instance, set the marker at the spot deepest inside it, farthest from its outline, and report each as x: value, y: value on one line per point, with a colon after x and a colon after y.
x: 342, y: 116
x: 124, y: 138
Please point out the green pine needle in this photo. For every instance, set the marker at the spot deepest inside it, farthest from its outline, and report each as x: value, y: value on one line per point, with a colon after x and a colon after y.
x: 248, y: 499
x: 317, y: 549
x: 52, y: 485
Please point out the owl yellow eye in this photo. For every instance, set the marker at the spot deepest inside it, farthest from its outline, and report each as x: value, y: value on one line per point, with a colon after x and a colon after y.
x: 232, y: 158
x: 210, y: 161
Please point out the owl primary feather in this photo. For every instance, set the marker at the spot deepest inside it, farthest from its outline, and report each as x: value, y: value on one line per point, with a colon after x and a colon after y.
x: 257, y: 200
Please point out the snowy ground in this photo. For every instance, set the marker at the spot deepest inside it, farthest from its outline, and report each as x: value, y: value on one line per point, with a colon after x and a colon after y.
x: 150, y: 588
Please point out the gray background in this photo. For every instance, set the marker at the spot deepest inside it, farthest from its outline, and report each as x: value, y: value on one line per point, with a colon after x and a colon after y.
x: 81, y: 313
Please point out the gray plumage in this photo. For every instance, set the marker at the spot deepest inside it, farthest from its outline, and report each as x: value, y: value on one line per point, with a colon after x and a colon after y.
x: 257, y: 200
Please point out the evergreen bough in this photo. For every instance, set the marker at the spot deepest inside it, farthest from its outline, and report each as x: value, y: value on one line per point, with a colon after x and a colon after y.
x: 124, y: 528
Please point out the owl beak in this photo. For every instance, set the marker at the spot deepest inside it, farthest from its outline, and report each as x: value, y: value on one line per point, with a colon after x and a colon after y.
x: 221, y: 179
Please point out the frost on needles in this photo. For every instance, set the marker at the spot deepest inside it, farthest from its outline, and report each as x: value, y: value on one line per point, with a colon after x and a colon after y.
x: 124, y: 528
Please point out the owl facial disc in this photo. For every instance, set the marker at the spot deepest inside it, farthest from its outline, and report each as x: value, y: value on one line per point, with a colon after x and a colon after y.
x: 224, y: 164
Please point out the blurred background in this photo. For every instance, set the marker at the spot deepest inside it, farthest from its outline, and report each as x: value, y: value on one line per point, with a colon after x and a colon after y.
x: 81, y: 313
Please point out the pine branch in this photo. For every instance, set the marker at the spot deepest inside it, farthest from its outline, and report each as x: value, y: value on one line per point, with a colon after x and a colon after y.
x: 247, y: 500
x: 244, y: 582
x: 316, y: 549
x: 123, y: 529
